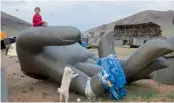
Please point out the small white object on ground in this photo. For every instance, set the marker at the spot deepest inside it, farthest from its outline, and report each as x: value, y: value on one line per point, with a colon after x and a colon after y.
x: 12, y: 50
x: 78, y: 99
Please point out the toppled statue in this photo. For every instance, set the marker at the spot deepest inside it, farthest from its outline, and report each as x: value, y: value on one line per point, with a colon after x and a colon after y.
x: 43, y: 53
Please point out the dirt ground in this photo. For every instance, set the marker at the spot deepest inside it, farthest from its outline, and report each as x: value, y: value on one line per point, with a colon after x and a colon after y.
x: 22, y: 88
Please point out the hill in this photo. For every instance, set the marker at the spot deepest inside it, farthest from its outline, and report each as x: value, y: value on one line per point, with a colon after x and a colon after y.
x: 162, y: 18
x: 12, y: 25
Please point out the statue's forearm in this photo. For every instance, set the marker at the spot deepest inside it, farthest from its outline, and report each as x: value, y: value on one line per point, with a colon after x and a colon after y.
x: 42, y: 36
x: 159, y: 63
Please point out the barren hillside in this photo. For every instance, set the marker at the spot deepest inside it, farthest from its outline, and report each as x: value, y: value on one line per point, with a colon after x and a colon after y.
x: 12, y: 25
x: 162, y: 18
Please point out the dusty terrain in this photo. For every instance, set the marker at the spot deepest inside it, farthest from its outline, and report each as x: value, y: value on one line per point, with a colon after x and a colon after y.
x: 25, y: 89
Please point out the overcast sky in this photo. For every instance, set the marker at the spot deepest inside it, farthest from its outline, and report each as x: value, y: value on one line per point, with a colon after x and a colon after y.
x: 83, y: 15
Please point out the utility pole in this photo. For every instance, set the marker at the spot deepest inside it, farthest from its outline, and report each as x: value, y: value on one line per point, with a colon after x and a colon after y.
x: 173, y: 20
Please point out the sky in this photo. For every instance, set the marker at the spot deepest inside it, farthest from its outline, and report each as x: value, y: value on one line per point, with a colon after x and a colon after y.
x: 81, y: 14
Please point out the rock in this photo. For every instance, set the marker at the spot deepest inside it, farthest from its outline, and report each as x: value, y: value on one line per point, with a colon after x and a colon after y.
x: 24, y: 91
x: 44, y: 94
x: 6, y: 66
x: 22, y: 76
x: 31, y: 89
x: 17, y: 61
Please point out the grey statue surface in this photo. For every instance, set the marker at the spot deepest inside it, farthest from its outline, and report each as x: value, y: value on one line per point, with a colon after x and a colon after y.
x: 165, y: 75
x: 43, y: 52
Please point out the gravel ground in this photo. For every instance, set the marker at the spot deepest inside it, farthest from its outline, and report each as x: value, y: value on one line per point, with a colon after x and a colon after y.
x: 25, y: 89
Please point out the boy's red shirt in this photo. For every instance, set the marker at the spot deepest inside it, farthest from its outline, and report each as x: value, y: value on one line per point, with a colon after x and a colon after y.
x: 37, y: 20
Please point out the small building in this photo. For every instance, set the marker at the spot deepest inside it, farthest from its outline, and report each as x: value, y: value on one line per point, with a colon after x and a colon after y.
x: 85, y: 37
x: 97, y: 33
x: 137, y: 34
x: 127, y: 34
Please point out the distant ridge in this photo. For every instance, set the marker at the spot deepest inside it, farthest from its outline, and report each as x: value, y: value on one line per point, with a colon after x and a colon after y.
x: 12, y: 25
x: 162, y: 18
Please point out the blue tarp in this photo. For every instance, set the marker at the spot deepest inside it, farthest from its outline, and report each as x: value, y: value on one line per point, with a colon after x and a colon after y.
x: 112, y: 76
